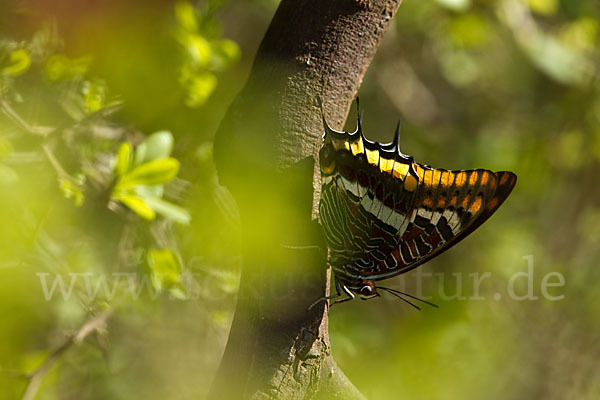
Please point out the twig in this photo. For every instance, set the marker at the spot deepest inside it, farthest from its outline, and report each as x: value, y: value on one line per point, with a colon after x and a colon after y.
x: 59, y: 169
x: 16, y: 118
x: 92, y: 325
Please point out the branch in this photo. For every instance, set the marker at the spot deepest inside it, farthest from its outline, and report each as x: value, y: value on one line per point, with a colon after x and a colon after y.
x: 265, y: 151
x: 96, y: 323
x: 6, y: 108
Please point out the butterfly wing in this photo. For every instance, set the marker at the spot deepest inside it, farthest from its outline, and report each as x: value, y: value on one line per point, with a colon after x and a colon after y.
x: 449, y: 206
x: 384, y: 214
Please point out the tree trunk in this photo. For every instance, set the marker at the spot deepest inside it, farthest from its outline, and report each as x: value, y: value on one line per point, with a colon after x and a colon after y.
x: 265, y: 151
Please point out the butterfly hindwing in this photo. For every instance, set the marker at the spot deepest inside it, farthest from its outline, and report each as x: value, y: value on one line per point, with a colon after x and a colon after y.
x: 446, y: 211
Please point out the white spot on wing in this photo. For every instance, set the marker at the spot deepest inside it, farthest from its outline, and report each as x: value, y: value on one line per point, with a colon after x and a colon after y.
x: 436, y: 217
x: 424, y: 213
x: 396, y: 219
x: 362, y: 191
x: 350, y: 186
x: 454, y: 223
x: 376, y: 207
x: 385, y: 213
x: 366, y: 203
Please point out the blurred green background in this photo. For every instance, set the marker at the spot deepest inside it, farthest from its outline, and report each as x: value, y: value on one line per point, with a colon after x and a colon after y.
x: 107, y: 116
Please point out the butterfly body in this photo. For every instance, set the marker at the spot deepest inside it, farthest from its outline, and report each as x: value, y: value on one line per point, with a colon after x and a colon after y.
x: 383, y: 214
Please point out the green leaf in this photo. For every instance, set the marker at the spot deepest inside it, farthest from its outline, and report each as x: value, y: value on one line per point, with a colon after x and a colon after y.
x: 200, y: 87
x: 186, y: 16
x: 226, y: 52
x: 94, y: 93
x: 154, y: 172
x: 20, y: 61
x: 145, y: 191
x: 199, y: 50
x: 156, y: 146
x: 165, y: 271
x: 123, y: 159
x: 169, y: 210
x: 71, y: 191
x: 137, y: 205
x: 60, y: 67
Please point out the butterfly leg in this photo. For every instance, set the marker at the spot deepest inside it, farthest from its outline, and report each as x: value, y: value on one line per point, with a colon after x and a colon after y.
x: 339, y: 287
x: 350, y: 295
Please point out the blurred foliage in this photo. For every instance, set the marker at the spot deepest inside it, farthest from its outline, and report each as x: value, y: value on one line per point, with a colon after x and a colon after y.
x: 106, y: 119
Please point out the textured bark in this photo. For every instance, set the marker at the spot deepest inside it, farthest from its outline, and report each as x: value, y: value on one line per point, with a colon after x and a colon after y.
x: 265, y: 150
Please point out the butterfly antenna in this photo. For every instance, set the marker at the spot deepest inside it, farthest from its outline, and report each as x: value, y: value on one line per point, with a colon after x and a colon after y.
x: 400, y: 297
x: 390, y: 290
x: 288, y: 246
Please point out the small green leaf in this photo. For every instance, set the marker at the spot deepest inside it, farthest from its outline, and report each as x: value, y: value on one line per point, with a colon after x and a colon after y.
x: 123, y: 159
x: 166, y: 272
x: 154, y: 172
x: 137, y: 205
x: 199, y: 49
x: 71, y: 191
x: 226, y: 52
x: 145, y: 191
x: 94, y: 93
x: 169, y: 210
x: 185, y: 13
x: 200, y: 87
x: 59, y: 67
x: 19, y: 63
x: 156, y: 146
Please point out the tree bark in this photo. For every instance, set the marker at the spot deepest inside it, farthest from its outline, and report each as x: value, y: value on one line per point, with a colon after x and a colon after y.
x: 265, y: 151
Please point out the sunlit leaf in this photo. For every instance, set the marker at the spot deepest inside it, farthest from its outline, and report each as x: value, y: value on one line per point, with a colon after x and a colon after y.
x: 169, y: 210
x: 156, y: 146
x: 94, y: 93
x: 199, y: 50
x: 151, y: 173
x: 226, y: 52
x: 20, y: 61
x: 200, y: 88
x: 146, y: 191
x: 123, y: 161
x: 59, y: 67
x: 71, y: 191
x: 186, y: 16
x: 137, y: 205
x: 166, y: 272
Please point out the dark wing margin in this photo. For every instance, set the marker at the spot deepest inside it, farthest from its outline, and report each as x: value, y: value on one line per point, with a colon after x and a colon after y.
x: 422, y: 242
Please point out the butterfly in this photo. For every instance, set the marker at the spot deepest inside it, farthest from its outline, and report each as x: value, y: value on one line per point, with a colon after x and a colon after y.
x: 384, y: 214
